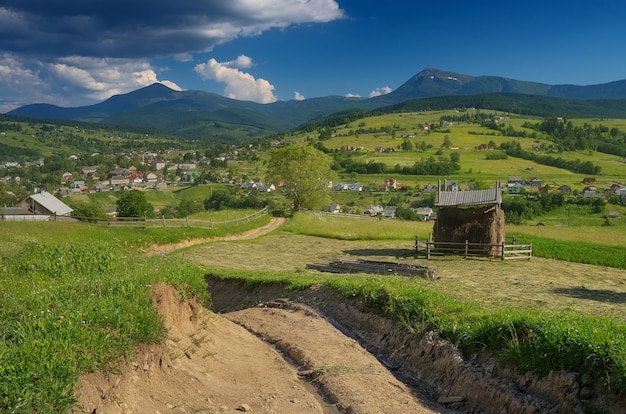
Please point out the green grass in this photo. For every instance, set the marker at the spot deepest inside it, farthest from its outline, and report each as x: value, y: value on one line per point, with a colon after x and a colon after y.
x: 75, y: 298
x: 358, y: 228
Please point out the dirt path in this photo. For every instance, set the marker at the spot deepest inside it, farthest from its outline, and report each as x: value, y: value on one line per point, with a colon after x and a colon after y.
x: 210, y: 364
x: 275, y: 222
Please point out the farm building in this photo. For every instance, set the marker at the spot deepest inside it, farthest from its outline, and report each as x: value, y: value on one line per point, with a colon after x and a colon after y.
x: 41, y: 206
x: 472, y: 216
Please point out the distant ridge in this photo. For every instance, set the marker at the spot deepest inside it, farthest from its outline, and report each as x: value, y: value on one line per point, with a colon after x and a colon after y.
x: 193, y: 113
x: 434, y: 82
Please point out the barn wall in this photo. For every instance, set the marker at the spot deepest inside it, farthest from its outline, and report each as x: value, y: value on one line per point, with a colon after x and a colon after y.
x: 483, y: 225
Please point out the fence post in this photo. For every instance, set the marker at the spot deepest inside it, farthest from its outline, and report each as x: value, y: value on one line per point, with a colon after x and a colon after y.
x: 163, y: 218
x: 466, y: 248
x: 502, y: 257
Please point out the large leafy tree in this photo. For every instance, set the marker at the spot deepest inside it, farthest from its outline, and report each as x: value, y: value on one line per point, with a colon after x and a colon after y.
x: 134, y: 204
x: 306, y: 174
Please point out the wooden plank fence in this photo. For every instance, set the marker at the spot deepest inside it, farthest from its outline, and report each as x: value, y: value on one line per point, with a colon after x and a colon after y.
x: 503, y: 251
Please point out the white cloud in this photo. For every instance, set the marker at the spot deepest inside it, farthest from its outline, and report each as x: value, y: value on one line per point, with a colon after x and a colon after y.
x: 239, y: 85
x: 101, y: 78
x: 242, y: 62
x: 353, y: 95
x: 298, y: 96
x: 380, y: 91
x: 71, y: 81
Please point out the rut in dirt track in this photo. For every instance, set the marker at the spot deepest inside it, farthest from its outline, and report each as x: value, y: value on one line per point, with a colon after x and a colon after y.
x: 441, y: 379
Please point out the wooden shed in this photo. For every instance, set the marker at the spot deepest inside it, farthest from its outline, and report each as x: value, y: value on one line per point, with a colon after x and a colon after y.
x: 473, y: 216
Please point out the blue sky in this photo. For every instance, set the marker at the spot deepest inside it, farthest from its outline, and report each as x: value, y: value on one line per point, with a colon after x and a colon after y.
x: 80, y: 52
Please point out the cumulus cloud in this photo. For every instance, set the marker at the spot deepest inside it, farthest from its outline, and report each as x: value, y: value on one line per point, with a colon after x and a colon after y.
x: 86, y: 80
x: 298, y: 96
x: 353, y: 95
x: 49, y: 39
x: 380, y: 91
x: 239, y: 85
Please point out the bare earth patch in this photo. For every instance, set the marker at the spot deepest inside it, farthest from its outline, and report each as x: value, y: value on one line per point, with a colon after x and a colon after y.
x: 209, y: 364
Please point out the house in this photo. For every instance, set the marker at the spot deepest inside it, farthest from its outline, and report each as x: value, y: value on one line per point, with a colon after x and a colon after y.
x: 19, y: 214
x: 565, y: 189
x: 125, y: 172
x: 515, y: 188
x: 356, y: 187
x: 46, y: 204
x: 425, y: 213
x: 515, y: 179
x: 341, y: 187
x: 90, y: 169
x: 589, y: 180
x: 373, y: 211
x: 391, y: 183
x: 390, y: 211
x: 590, y: 192
x: 150, y: 177
x: 430, y: 188
x: 158, y: 164
x: 118, y: 180
x: 451, y: 185
x: 67, y: 176
x: 334, y: 208
x: 535, y: 182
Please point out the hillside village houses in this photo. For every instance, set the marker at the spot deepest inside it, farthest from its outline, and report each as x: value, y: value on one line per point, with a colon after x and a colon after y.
x: 160, y: 172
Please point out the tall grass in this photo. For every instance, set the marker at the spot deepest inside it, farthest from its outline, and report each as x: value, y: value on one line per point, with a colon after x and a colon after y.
x: 577, y: 251
x: 73, y: 299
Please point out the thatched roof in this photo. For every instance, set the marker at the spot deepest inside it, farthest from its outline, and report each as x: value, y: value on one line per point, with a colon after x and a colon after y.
x: 492, y: 196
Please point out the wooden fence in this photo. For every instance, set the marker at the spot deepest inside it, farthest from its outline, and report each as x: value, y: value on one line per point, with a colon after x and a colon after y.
x: 503, y: 251
x: 176, y: 222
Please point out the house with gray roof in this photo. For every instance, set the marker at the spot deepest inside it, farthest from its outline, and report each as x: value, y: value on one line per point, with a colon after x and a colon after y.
x: 46, y: 204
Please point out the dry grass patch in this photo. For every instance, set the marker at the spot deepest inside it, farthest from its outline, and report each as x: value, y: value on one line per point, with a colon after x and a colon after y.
x: 536, y: 284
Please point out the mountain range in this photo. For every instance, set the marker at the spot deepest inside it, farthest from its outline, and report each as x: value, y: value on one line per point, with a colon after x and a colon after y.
x: 196, y: 113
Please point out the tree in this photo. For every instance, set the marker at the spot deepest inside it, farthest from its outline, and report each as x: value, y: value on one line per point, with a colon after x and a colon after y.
x: 306, y: 174
x: 88, y: 210
x: 134, y: 204
x: 406, y: 145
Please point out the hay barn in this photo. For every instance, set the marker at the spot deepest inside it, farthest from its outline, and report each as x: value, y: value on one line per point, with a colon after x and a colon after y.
x: 474, y: 216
